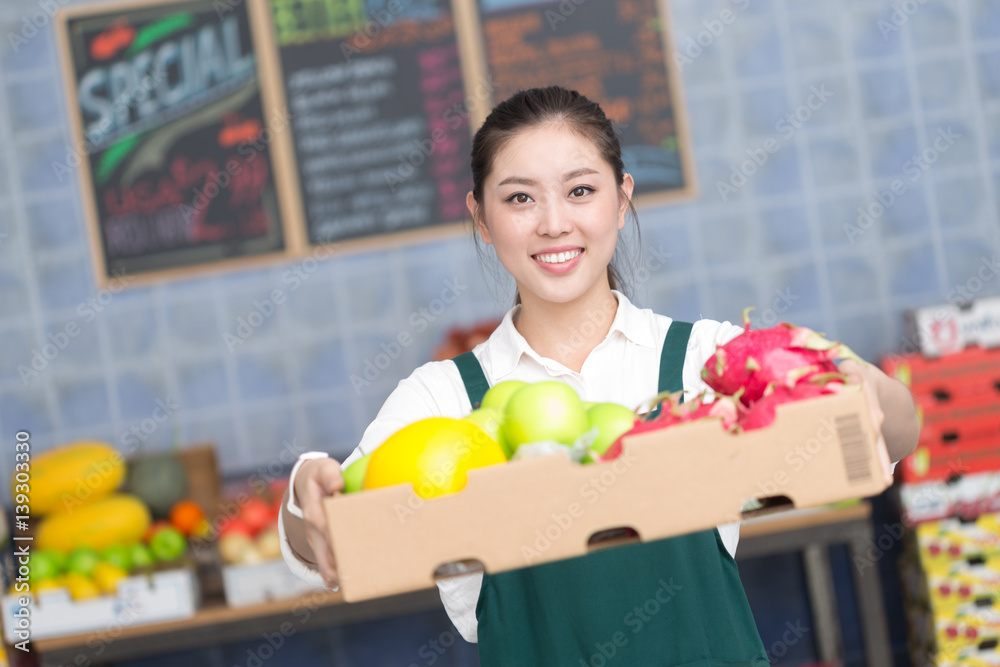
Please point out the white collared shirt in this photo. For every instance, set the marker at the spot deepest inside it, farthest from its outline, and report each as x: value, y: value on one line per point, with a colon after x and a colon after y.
x: 623, y: 368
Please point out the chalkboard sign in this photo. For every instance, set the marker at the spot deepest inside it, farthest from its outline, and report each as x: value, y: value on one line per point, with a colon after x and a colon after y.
x: 615, y: 53
x: 379, y: 114
x: 171, y: 136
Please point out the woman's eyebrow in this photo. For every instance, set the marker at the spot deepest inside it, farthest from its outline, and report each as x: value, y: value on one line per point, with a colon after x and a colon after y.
x: 518, y: 180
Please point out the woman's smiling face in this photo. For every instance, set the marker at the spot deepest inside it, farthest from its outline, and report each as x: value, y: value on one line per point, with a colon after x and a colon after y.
x: 552, y: 210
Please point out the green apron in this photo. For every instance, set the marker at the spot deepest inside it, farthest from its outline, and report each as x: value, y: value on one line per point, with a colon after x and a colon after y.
x: 676, y: 602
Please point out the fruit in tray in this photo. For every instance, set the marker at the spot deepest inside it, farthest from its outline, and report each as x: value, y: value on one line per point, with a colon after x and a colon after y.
x: 781, y: 356
x: 750, y: 377
x: 432, y: 454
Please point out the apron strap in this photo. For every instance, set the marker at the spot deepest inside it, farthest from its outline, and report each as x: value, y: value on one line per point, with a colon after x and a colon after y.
x: 472, y: 375
x: 672, y: 356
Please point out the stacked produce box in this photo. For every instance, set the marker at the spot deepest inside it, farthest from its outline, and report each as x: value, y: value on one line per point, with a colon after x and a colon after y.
x: 950, y: 495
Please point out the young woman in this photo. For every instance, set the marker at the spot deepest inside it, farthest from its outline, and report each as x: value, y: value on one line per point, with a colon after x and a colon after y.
x: 550, y: 194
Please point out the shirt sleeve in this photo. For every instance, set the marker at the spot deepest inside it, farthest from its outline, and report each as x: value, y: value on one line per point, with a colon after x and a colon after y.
x: 429, y: 392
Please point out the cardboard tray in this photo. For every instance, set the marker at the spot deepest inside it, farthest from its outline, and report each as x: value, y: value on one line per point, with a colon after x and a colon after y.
x: 672, y: 482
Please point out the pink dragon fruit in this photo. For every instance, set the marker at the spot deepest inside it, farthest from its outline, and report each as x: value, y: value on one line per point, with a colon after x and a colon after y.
x: 673, y: 412
x: 761, y: 414
x: 784, y: 355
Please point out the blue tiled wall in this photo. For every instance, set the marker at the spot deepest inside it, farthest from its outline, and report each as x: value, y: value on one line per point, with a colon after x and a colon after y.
x: 786, y: 230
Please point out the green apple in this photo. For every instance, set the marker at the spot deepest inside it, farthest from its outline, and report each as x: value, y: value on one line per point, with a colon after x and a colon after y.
x: 490, y: 419
x: 167, y: 544
x: 498, y: 395
x: 610, y: 420
x: 119, y: 556
x: 587, y: 405
x: 43, y: 565
x: 354, y: 474
x: 544, y: 411
x: 83, y: 560
x: 140, y: 555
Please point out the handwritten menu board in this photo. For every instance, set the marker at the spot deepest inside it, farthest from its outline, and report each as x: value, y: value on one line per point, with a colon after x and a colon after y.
x: 167, y: 111
x: 376, y: 98
x: 611, y: 51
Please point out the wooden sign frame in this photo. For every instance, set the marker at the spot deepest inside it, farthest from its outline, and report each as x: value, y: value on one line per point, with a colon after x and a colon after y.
x: 293, y: 222
x: 285, y: 204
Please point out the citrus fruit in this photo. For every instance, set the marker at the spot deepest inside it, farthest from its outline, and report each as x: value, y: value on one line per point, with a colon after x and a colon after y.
x: 79, y: 586
x: 107, y: 576
x: 434, y: 455
x: 186, y: 515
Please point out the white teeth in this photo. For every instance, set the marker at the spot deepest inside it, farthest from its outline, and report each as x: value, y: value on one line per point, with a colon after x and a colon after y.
x: 558, y: 257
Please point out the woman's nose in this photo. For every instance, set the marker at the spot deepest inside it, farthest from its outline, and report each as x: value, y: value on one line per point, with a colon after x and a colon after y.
x: 555, y: 220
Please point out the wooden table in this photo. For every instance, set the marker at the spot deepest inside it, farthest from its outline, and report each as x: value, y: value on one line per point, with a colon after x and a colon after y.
x: 811, y: 531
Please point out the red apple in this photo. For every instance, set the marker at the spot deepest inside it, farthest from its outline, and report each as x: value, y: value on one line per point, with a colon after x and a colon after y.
x: 257, y: 515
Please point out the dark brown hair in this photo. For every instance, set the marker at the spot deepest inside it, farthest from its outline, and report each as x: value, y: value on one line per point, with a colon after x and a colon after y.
x: 538, y: 106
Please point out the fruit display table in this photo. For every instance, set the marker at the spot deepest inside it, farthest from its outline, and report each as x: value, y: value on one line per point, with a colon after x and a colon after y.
x: 810, y: 531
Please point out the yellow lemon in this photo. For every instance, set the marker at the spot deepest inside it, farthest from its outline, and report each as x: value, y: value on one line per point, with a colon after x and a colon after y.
x: 80, y: 587
x: 107, y: 576
x: 432, y: 454
x: 46, y: 585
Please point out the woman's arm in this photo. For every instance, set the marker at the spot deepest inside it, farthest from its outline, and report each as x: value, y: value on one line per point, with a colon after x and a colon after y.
x: 900, y: 426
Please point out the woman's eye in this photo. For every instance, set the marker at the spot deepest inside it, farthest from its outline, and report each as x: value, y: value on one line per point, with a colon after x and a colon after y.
x: 519, y: 198
x: 580, y: 191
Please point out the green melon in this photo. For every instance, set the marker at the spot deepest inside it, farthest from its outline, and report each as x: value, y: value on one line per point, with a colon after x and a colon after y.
x: 160, y: 481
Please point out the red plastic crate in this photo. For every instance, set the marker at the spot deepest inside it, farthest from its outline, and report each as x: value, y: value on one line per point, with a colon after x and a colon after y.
x: 972, y: 372
x: 937, y: 461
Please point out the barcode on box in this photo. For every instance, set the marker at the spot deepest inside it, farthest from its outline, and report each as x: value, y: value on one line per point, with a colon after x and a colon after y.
x: 857, y: 463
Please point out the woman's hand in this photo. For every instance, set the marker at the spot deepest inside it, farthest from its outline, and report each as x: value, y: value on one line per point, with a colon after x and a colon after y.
x: 316, y: 480
x: 891, y: 404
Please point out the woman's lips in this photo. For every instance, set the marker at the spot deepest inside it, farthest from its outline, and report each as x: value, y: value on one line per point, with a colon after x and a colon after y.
x: 559, y: 262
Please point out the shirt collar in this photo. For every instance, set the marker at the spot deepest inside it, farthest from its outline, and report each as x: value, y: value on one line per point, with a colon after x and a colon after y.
x: 507, y: 344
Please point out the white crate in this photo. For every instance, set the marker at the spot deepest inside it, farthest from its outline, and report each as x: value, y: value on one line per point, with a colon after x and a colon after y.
x: 257, y: 583
x: 949, y: 328
x: 141, y: 599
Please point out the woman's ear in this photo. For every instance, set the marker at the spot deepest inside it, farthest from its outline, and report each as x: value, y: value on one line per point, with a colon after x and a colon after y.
x: 626, y: 196
x: 477, y: 219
